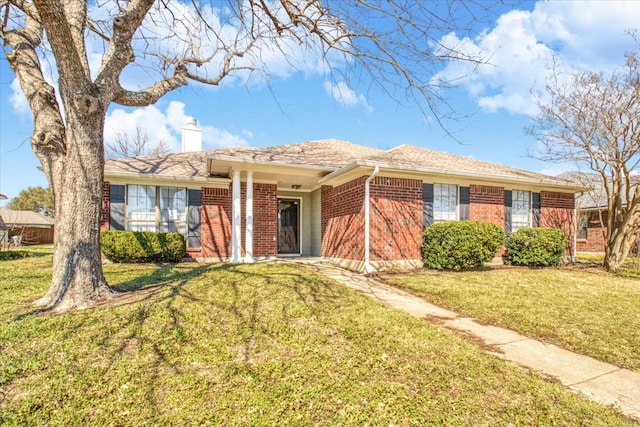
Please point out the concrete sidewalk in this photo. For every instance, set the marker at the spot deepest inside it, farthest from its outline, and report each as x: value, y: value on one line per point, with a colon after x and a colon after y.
x: 599, y: 381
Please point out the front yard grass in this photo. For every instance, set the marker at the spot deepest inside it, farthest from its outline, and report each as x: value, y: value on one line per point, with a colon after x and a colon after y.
x: 583, y: 309
x: 262, y: 344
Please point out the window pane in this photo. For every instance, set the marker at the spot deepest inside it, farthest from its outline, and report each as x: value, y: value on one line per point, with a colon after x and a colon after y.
x: 141, y: 206
x: 583, y: 226
x: 445, y: 201
x: 173, y: 204
x: 520, y: 209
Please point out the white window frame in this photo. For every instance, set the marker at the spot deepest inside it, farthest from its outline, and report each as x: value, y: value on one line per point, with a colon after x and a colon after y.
x: 439, y: 215
x: 521, y: 202
x: 155, y: 222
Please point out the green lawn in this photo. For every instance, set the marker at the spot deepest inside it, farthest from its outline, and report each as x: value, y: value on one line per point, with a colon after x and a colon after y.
x: 263, y: 344
x: 584, y: 309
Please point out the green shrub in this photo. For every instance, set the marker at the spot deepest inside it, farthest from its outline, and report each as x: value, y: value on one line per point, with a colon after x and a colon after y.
x: 461, y: 244
x: 142, y: 246
x: 536, y: 247
x: 9, y: 255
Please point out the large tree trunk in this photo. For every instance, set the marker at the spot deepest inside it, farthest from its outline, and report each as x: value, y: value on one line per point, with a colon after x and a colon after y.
x: 77, y: 181
x: 619, y: 242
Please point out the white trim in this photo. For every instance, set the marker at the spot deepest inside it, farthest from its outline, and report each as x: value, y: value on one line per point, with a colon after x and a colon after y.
x: 165, y: 180
x: 367, y: 208
x: 248, y: 239
x: 236, y: 218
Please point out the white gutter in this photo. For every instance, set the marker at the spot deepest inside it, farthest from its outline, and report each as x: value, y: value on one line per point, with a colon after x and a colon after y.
x: 367, y: 203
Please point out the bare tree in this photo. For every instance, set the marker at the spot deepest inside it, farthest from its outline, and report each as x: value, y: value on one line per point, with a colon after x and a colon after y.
x: 593, y: 119
x: 125, y: 145
x: 392, y: 43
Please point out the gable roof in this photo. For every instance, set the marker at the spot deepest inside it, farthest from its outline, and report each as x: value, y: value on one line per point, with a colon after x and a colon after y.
x: 327, y: 154
x: 594, y: 196
x: 323, y: 161
x: 25, y: 218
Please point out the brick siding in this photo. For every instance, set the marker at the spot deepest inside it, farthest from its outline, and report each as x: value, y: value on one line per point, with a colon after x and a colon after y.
x: 342, y: 220
x: 557, y: 211
x: 595, y: 233
x: 395, y: 219
x: 486, y: 204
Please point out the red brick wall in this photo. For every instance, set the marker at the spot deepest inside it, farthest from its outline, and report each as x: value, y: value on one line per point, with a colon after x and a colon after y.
x: 395, y: 219
x: 557, y: 211
x: 486, y: 204
x: 106, y: 208
x: 595, y: 234
x: 265, y: 219
x: 215, y: 216
x: 342, y: 220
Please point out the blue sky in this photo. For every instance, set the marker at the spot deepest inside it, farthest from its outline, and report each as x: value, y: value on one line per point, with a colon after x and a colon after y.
x: 296, y: 106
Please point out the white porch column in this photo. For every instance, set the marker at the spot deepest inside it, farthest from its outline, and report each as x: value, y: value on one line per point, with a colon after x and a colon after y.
x: 248, y: 238
x: 236, y: 219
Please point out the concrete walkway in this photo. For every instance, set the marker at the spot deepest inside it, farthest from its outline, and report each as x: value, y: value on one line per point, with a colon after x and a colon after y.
x: 599, y: 381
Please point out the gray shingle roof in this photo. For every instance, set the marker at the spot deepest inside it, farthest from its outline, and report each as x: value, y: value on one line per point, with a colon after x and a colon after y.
x: 19, y: 218
x: 595, y: 197
x: 423, y: 159
x: 329, y: 155
x: 187, y: 165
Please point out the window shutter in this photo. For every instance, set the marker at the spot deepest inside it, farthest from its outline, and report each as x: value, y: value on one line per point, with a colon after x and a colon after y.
x: 193, y: 219
x: 535, y: 209
x: 427, y: 205
x: 507, y: 212
x: 465, y: 196
x: 116, y: 207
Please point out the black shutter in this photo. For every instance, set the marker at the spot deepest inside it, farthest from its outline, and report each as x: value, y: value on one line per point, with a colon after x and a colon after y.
x: 193, y: 219
x: 507, y: 211
x: 116, y: 207
x: 427, y: 205
x: 535, y: 209
x: 465, y: 196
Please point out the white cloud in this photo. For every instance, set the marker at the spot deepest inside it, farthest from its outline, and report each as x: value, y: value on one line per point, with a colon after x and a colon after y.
x: 167, y: 126
x: 580, y: 35
x: 345, y: 96
x: 18, y: 101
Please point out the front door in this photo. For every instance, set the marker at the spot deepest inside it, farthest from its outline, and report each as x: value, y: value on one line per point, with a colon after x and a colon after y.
x: 288, y: 227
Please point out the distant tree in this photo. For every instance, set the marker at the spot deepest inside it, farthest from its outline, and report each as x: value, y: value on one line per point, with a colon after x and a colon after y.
x: 138, y: 144
x: 593, y: 119
x: 395, y: 45
x: 37, y: 199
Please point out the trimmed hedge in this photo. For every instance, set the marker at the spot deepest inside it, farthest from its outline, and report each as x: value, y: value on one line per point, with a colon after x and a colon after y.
x: 142, y: 246
x: 536, y: 247
x: 461, y: 244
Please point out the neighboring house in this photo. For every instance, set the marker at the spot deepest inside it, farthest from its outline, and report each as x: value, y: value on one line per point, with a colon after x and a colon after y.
x: 30, y: 227
x: 362, y: 207
x: 592, y: 210
x: 4, y: 235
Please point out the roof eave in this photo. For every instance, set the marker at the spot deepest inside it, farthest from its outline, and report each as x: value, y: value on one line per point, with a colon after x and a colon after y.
x: 335, y: 176
x: 168, y: 178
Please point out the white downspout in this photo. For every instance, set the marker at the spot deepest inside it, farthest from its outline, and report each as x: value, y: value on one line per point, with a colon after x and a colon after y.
x: 248, y: 239
x: 367, y: 203
x: 236, y: 217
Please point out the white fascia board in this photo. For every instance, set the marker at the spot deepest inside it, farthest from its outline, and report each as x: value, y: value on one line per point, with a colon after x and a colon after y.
x: 168, y: 180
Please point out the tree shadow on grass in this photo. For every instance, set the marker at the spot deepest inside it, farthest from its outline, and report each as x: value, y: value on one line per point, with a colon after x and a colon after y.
x: 177, y: 327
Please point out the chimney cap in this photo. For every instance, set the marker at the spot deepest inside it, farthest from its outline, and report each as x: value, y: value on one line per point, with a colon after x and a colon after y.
x: 192, y: 121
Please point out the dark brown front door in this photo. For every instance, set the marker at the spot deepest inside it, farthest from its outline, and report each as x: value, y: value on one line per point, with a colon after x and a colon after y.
x: 288, y: 227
